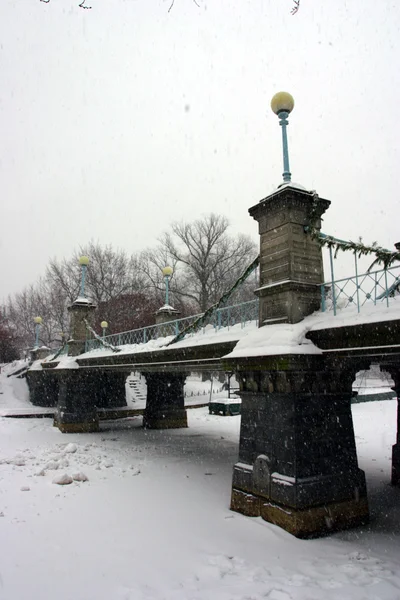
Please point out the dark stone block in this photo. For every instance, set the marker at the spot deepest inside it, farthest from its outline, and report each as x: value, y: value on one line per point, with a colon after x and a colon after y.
x: 165, y: 407
x: 43, y: 387
x: 76, y: 409
x: 299, y: 438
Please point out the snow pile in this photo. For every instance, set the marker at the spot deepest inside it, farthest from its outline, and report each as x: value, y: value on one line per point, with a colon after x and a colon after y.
x: 274, y: 340
x: 62, y: 479
x: 13, y: 367
x: 14, y: 393
x: 157, y: 502
x: 167, y: 308
x: 369, y: 313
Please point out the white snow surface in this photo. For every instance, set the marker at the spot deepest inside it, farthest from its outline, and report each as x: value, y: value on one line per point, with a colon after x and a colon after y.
x: 286, y: 338
x: 153, y: 521
x: 291, y: 184
x: 82, y: 300
x: 167, y: 308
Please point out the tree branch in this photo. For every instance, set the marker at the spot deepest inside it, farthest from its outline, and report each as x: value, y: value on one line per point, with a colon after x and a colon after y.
x: 295, y: 7
x: 173, y: 2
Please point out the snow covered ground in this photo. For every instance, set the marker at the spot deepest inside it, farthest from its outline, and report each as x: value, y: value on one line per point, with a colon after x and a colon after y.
x: 153, y: 522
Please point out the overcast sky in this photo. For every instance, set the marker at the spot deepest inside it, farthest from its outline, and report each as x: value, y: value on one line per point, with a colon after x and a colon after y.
x: 117, y: 120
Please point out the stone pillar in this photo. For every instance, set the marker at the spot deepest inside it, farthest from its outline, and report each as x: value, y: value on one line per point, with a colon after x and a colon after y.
x: 291, y: 268
x: 394, y: 371
x: 166, y: 314
x: 165, y: 406
x: 39, y: 353
x: 78, y: 311
x: 110, y: 391
x: 43, y: 387
x: 76, y: 409
x: 297, y: 457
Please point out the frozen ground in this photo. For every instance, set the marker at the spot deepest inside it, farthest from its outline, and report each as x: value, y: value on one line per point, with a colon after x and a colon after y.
x: 153, y: 521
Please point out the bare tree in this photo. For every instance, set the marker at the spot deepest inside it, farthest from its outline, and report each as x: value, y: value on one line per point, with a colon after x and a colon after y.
x: 127, y: 289
x: 8, y: 341
x: 152, y: 262
x: 33, y: 301
x: 110, y: 273
x: 126, y: 312
x: 209, y: 259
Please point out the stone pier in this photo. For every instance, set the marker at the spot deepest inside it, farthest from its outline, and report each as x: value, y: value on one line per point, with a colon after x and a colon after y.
x: 76, y: 408
x: 165, y: 407
x: 297, y: 463
x: 394, y: 370
x: 43, y: 387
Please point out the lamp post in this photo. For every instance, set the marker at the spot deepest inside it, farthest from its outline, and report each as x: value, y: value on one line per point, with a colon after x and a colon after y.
x: 167, y: 272
x: 38, y: 322
x: 282, y: 105
x: 104, y: 326
x: 83, y: 261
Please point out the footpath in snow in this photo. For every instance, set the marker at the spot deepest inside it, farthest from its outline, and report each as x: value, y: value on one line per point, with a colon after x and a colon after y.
x: 152, y: 521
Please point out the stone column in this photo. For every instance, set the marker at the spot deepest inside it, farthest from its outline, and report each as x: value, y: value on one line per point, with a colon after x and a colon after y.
x: 76, y: 409
x: 291, y: 268
x: 39, y: 353
x: 43, y: 387
x: 165, y: 406
x: 394, y: 371
x: 110, y: 391
x: 78, y: 311
x: 297, y: 457
x: 165, y: 314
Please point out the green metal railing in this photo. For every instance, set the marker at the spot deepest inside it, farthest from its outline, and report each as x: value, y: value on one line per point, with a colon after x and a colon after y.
x: 222, y: 318
x: 374, y: 287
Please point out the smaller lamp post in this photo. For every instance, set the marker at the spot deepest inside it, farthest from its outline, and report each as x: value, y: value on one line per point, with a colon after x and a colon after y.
x: 38, y: 321
x: 167, y: 272
x: 282, y: 105
x: 104, y: 326
x: 83, y: 261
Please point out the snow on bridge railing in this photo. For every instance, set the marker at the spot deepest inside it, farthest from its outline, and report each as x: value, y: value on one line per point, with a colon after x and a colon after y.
x: 377, y: 287
x: 222, y: 318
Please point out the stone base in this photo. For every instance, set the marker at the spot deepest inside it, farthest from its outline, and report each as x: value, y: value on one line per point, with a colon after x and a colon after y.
x: 43, y: 388
x: 311, y: 522
x: 396, y: 464
x: 170, y: 419
x: 69, y: 423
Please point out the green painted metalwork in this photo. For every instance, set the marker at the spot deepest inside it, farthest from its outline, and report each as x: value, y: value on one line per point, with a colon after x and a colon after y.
x: 283, y: 122
x: 360, y: 289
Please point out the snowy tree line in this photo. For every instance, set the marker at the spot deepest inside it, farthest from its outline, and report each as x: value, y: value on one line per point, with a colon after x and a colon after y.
x: 128, y: 289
